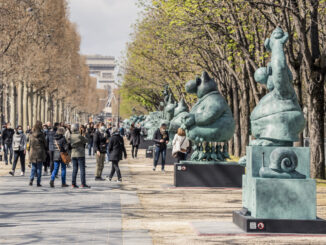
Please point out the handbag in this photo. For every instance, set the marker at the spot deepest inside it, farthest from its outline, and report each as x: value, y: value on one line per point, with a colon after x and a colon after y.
x: 66, y: 159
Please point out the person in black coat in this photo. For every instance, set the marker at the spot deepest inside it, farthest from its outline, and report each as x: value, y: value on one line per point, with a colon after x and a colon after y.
x: 100, y: 147
x: 134, y: 139
x: 161, y: 139
x: 90, y: 131
x: 7, y: 136
x: 116, y: 149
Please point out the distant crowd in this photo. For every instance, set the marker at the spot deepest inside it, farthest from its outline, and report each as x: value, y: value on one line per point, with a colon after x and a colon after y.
x: 51, y: 147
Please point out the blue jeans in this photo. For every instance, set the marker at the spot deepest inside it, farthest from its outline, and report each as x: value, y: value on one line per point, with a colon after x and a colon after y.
x: 78, y: 162
x: 90, y: 146
x: 36, y: 169
x: 159, y: 151
x: 6, y: 148
x: 56, y: 169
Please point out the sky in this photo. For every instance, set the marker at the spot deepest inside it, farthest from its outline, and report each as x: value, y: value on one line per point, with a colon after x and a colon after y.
x: 104, y: 25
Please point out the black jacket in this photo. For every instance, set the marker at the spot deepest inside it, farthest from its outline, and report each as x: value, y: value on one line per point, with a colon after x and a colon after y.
x: 158, y: 136
x: 116, y: 147
x: 135, y: 136
x: 51, y: 133
x: 7, y: 136
x: 59, y: 141
x: 90, y: 135
x: 100, y: 142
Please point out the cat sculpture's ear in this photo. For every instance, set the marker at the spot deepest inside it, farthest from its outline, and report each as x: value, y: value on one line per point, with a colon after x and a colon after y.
x: 267, y: 44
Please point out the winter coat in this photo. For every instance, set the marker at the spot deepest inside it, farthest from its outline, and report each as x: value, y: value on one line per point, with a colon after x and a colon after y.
x: 60, y: 145
x: 100, y: 142
x: 135, y: 136
x: 67, y: 135
x: 158, y: 136
x: 37, y: 147
x: 19, y: 142
x: 7, y: 136
x: 90, y: 135
x: 116, y: 147
x: 50, y: 135
x: 180, y: 144
x: 77, y: 143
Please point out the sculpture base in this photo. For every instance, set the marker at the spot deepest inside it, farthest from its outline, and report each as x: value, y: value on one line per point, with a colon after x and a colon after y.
x: 144, y: 144
x: 211, y: 174
x: 256, y: 225
x: 150, y: 152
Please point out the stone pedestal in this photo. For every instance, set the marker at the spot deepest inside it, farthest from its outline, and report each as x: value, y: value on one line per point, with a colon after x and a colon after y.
x: 144, y: 144
x: 275, y: 203
x: 211, y: 174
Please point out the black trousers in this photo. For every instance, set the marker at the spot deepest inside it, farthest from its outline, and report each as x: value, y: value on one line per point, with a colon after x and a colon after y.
x: 46, y: 164
x: 115, y: 168
x: 181, y: 156
x: 134, y: 150
x: 21, y: 155
x: 51, y: 153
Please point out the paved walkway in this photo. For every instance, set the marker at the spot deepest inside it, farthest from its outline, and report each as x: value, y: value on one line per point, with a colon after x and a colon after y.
x: 34, y: 215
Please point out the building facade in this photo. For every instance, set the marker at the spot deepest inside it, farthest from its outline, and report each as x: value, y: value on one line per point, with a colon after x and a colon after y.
x: 102, y: 68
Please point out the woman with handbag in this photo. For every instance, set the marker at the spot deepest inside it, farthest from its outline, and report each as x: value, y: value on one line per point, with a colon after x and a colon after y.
x: 180, y: 145
x: 60, y: 156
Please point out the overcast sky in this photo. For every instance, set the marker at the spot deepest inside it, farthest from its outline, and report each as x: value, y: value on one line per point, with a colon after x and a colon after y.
x: 104, y: 25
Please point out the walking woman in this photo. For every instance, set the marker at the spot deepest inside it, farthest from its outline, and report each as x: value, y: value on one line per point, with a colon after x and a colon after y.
x: 134, y: 139
x: 60, y: 145
x: 180, y: 145
x: 37, y: 152
x: 78, y: 143
x: 116, y: 148
x: 19, y: 148
x: 161, y: 139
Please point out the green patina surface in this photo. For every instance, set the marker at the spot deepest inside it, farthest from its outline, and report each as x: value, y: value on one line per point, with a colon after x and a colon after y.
x: 274, y: 198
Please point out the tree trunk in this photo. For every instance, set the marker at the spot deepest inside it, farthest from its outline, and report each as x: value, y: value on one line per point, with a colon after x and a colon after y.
x: 316, y: 99
x: 1, y: 103
x: 25, y: 105
x: 55, y: 110
x: 39, y: 106
x: 236, y: 116
x: 42, y: 108
x: 20, y: 103
x: 13, y: 105
x: 34, y: 106
x: 46, y: 107
x: 30, y: 106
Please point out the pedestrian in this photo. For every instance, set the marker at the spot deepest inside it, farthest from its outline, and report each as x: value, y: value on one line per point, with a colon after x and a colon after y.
x: 78, y: 142
x: 180, y: 145
x: 134, y: 139
x: 60, y: 145
x: 90, y: 136
x: 7, y: 137
x: 100, y: 147
x: 122, y: 131
x: 108, y: 132
x: 161, y: 139
x: 51, y: 133
x: 116, y: 148
x: 37, y: 152
x: 46, y: 164
x: 19, y: 148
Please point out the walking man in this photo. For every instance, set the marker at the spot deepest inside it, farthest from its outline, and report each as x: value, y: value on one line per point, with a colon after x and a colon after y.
x: 100, y: 147
x: 116, y: 148
x: 161, y: 139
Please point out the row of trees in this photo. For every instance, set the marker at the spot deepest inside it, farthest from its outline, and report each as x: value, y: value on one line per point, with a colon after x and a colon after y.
x: 177, y: 39
x: 42, y: 75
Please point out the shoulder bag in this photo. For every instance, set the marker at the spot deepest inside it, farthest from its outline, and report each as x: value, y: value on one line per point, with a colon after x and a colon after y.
x: 64, y: 155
